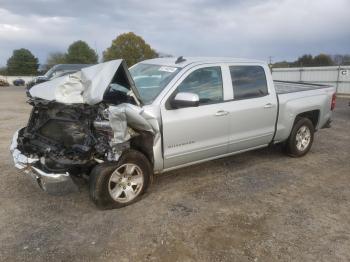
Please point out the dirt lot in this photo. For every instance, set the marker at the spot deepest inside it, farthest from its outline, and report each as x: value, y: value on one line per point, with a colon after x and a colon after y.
x: 258, y: 206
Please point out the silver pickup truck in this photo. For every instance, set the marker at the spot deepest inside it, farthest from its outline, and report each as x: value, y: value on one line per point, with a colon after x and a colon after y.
x: 118, y: 126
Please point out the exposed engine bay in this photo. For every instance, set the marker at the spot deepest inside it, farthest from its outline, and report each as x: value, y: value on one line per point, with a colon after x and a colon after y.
x: 61, y: 136
x: 76, y: 137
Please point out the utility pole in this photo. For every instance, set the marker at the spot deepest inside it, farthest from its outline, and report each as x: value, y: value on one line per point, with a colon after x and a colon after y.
x: 270, y: 60
x: 96, y: 48
x: 270, y: 63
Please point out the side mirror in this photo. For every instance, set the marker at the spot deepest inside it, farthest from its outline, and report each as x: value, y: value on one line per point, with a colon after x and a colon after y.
x: 184, y: 99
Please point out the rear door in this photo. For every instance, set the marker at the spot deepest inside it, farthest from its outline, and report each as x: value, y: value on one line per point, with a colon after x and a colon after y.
x: 253, y: 109
x: 196, y: 133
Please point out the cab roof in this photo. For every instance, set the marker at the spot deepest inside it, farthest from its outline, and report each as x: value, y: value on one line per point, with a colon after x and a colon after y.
x: 185, y: 61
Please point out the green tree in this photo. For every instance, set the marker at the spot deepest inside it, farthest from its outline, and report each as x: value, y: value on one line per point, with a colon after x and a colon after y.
x: 22, y: 62
x: 55, y: 58
x: 79, y: 52
x: 341, y: 59
x: 3, y: 71
x: 130, y: 47
x: 305, y: 60
x: 281, y: 64
x: 322, y: 60
x: 346, y: 60
x: 338, y: 59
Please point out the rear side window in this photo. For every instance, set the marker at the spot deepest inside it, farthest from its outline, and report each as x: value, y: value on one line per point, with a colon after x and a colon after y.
x: 248, y: 81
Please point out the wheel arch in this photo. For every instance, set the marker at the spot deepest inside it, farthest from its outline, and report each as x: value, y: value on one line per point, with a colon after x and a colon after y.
x: 144, y: 144
x: 313, y: 116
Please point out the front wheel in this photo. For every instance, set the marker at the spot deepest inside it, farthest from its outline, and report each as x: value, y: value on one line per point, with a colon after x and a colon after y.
x: 115, y: 185
x: 301, y: 138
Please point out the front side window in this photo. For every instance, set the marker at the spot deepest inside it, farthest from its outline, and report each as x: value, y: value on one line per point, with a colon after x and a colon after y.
x: 248, y: 81
x: 206, y: 83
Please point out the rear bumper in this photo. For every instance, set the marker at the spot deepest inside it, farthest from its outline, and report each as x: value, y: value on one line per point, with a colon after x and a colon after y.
x: 52, y: 183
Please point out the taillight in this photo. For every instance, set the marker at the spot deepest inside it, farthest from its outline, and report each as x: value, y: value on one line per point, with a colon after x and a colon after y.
x: 333, y: 101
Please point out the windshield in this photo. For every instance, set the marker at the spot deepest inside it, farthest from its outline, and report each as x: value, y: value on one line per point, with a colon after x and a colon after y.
x: 150, y: 80
x: 49, y: 73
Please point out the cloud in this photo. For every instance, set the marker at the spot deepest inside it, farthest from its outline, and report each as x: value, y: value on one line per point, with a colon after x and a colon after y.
x: 283, y: 29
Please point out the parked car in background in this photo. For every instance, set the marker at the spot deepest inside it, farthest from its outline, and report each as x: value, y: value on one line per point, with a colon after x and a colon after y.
x: 56, y: 71
x: 19, y: 82
x: 120, y: 127
x: 3, y: 82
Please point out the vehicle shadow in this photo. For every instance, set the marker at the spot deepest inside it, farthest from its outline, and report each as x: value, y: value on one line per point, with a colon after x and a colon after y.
x: 223, y: 166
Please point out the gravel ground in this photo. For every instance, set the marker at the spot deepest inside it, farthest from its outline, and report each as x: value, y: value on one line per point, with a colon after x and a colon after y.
x: 257, y: 206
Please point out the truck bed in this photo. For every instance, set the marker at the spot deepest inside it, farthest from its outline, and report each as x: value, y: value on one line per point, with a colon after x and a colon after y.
x: 295, y: 98
x: 284, y: 87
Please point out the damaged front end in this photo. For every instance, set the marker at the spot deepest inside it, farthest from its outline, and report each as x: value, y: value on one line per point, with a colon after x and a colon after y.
x: 53, y: 183
x: 73, y: 127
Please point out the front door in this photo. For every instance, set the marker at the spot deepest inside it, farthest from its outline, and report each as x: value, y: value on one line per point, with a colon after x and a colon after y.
x: 196, y: 133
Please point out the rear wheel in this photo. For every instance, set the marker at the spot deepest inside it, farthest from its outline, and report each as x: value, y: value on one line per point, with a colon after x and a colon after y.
x: 301, y: 138
x: 115, y: 185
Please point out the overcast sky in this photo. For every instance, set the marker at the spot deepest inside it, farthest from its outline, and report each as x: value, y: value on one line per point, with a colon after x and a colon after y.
x: 283, y: 29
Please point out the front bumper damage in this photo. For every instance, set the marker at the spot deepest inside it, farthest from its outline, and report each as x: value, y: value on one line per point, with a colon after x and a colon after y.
x: 52, y: 183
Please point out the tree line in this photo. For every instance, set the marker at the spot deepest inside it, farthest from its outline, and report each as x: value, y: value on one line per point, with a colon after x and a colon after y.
x: 128, y: 46
x: 308, y: 60
x: 133, y: 49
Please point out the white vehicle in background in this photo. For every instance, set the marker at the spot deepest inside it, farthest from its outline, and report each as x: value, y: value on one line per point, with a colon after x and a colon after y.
x: 121, y: 126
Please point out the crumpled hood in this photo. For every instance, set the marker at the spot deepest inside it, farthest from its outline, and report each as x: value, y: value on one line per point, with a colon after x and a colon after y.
x: 87, y: 85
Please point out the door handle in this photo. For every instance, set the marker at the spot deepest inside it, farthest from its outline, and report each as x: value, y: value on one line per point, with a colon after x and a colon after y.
x: 221, y: 113
x: 269, y: 105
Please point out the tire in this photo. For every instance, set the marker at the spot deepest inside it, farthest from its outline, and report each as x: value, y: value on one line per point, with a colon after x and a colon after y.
x: 115, y: 185
x: 301, y: 138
